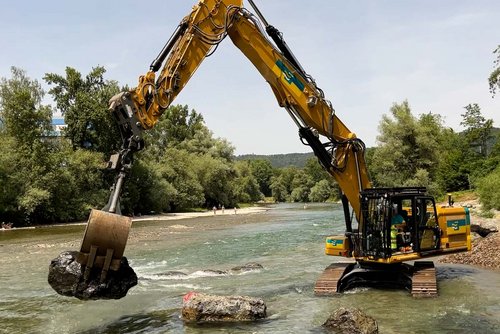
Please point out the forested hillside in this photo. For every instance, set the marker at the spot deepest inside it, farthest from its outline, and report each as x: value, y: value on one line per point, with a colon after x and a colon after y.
x: 280, y: 160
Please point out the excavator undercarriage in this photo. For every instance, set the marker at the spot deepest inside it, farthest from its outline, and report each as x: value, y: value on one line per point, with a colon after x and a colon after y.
x: 419, y: 278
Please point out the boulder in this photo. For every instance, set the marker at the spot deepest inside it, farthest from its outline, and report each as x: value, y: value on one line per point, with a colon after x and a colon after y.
x: 66, y: 278
x: 247, y: 267
x: 483, y: 230
x: 199, y: 307
x: 351, y: 321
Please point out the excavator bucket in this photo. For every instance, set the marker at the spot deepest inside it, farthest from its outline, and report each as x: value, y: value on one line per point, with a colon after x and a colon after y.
x: 104, y: 242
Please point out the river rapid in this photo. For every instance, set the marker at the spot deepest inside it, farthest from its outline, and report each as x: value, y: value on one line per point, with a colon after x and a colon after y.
x: 287, y: 240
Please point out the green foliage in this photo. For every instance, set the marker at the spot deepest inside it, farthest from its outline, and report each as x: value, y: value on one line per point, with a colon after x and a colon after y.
x: 477, y: 128
x: 75, y: 183
x: 278, y: 189
x: 194, y: 167
x: 184, y: 166
x: 146, y: 191
x: 408, y: 145
x: 297, y: 160
x: 316, y: 171
x: 470, y: 155
x: 456, y: 167
x: 84, y: 104
x: 321, y: 191
x: 488, y: 190
x: 215, y: 176
x: 262, y: 170
x: 21, y: 111
x: 291, y: 184
x: 42, y: 179
x: 178, y: 168
x: 246, y: 185
x: 494, y: 78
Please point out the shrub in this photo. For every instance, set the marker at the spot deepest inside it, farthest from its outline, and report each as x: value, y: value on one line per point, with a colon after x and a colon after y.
x: 488, y: 190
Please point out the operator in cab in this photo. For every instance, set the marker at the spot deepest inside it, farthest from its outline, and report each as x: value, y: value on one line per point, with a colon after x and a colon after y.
x: 397, y: 226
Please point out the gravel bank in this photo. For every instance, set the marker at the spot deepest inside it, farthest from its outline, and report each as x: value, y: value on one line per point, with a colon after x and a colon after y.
x: 485, y: 251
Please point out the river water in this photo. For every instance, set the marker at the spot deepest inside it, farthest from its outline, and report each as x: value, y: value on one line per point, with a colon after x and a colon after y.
x: 287, y: 241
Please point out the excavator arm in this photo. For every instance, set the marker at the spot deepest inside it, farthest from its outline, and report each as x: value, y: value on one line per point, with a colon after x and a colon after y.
x: 196, y: 37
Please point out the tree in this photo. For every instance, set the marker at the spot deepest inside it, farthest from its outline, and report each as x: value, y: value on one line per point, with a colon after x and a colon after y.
x: 21, y: 111
x: 278, y: 188
x: 494, y: 78
x: 23, y: 167
x: 316, y: 171
x: 488, y: 190
x: 301, y: 186
x: 186, y: 130
x: 457, y: 165
x: 41, y: 179
x: 84, y: 104
x: 477, y: 128
x: 408, y: 145
x: 178, y: 168
x: 246, y: 186
x: 321, y: 191
x: 177, y: 125
x: 197, y: 167
x: 262, y: 171
x: 216, y: 177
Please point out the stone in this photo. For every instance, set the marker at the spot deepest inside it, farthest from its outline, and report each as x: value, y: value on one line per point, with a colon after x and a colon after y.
x: 172, y: 274
x: 200, y: 307
x: 483, y: 230
x: 247, y: 267
x: 66, y: 278
x: 214, y: 272
x: 351, y: 321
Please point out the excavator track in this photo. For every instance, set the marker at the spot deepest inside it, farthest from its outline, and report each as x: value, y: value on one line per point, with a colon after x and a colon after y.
x: 424, y: 283
x: 327, y: 283
x: 419, y: 279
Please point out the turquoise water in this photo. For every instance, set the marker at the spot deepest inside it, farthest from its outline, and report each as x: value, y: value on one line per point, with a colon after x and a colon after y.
x: 286, y: 240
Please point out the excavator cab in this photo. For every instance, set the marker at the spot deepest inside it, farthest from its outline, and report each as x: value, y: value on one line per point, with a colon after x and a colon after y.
x: 397, y: 221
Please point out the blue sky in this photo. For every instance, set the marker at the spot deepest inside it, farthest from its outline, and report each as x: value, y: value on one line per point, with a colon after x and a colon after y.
x: 365, y: 55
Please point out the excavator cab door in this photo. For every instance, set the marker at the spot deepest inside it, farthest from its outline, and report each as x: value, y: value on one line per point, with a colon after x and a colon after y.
x: 428, y: 234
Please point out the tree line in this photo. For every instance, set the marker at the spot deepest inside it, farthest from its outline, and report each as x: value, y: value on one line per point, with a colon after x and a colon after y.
x: 45, y: 178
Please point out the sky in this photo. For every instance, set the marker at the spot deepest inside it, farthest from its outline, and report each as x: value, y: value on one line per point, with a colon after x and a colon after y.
x: 366, y: 55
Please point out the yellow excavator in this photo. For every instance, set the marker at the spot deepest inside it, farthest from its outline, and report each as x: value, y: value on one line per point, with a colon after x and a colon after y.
x: 385, y: 227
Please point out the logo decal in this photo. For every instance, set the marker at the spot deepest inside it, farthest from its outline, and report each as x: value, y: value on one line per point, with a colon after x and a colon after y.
x: 289, y: 76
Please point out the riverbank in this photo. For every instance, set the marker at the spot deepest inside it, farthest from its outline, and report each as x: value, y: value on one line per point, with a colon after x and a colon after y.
x: 186, y: 215
x: 485, y: 250
x: 162, y: 217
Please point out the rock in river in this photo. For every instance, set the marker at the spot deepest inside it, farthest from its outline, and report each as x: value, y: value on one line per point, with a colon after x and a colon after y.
x: 351, y: 321
x: 199, y: 307
x: 66, y: 278
x: 247, y: 267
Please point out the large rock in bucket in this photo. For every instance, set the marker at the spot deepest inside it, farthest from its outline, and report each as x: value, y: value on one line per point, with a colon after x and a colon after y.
x: 199, y: 307
x: 66, y: 278
x: 351, y: 321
